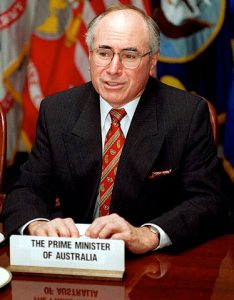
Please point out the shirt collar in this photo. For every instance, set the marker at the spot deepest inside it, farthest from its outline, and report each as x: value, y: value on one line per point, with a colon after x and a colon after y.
x: 105, y: 108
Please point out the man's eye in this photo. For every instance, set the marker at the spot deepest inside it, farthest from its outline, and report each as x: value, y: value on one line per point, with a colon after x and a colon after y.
x: 129, y: 55
x: 104, y: 54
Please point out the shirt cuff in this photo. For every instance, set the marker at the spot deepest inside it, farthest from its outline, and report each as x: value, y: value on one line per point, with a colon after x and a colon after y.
x: 164, y: 240
x: 22, y: 228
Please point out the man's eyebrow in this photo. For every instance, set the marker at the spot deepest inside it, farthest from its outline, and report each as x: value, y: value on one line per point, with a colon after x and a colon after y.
x: 130, y: 49
x: 124, y: 49
x: 104, y: 47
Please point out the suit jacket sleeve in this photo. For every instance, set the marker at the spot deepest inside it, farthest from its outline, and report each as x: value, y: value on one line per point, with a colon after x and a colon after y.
x: 33, y: 196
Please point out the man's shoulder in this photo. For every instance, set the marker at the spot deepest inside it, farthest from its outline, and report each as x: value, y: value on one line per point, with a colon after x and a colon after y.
x: 61, y: 110
x: 69, y: 97
x: 166, y: 97
x: 174, y: 103
x: 168, y: 93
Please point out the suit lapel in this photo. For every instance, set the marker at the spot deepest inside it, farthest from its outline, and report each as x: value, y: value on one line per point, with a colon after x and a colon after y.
x: 84, y: 146
x: 142, y: 146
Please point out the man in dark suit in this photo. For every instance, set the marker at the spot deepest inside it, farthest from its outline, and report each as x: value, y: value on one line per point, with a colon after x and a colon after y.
x: 166, y: 190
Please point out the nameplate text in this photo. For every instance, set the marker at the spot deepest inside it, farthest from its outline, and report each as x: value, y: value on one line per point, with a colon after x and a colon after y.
x: 64, y: 255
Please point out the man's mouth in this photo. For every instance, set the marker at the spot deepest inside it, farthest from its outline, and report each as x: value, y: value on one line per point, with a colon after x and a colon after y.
x: 113, y: 84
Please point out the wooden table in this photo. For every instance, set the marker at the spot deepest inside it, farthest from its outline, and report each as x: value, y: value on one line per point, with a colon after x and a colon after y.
x: 205, y: 272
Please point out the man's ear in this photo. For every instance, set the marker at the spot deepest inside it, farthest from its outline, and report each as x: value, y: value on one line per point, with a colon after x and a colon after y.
x: 154, y: 60
x: 89, y: 59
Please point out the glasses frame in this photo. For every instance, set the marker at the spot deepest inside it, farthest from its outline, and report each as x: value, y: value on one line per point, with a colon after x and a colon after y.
x: 120, y: 59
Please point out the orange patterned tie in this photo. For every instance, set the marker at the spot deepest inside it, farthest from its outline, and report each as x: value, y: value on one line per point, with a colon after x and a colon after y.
x: 112, y: 150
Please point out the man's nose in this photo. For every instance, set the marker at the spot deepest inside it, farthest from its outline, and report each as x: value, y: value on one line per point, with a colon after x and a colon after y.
x: 115, y: 65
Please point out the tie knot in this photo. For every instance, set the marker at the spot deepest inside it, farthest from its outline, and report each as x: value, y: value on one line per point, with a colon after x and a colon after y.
x: 117, y: 114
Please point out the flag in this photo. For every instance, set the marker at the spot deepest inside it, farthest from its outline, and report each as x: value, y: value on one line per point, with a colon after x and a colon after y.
x: 229, y: 126
x: 15, y: 25
x: 58, y: 57
x: 196, y: 53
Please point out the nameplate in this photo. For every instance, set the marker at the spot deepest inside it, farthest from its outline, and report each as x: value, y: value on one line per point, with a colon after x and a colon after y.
x: 81, y: 257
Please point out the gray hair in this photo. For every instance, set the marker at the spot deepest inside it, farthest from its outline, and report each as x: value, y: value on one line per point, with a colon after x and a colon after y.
x: 154, y: 33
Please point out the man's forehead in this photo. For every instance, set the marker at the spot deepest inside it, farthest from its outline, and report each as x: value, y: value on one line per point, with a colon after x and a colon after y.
x: 122, y: 17
x: 123, y: 26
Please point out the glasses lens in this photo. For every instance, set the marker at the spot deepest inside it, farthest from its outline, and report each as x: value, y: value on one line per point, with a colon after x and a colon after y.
x: 130, y: 59
x: 102, y: 57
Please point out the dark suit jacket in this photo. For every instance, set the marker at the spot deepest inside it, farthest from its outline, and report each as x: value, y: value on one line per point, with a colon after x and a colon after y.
x: 170, y: 130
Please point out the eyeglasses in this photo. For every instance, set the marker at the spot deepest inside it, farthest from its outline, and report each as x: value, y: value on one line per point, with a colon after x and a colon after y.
x: 102, y: 57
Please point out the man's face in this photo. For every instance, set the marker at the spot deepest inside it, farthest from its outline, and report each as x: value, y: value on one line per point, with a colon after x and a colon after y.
x: 117, y: 84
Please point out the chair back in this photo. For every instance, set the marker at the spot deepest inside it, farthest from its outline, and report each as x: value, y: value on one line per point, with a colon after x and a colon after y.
x: 3, y: 132
x: 213, y: 120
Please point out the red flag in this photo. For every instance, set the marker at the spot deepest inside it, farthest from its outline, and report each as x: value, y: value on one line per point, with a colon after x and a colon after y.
x: 15, y: 31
